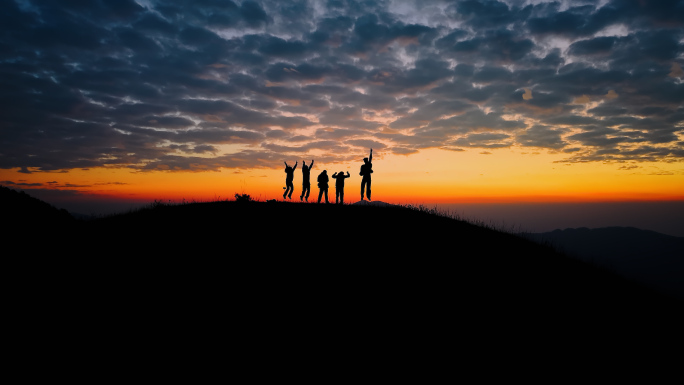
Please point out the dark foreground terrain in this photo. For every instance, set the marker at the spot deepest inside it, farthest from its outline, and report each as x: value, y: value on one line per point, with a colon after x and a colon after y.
x: 330, y: 274
x: 655, y: 259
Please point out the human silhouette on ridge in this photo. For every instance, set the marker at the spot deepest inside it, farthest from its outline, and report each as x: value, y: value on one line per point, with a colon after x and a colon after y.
x: 289, y: 188
x: 339, y: 186
x: 366, y: 171
x: 306, y: 183
x: 323, y: 185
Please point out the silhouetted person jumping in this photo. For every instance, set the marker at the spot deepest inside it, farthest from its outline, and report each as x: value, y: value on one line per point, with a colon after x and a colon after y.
x: 306, y: 183
x: 339, y: 186
x: 288, y: 181
x: 323, y: 186
x: 366, y: 171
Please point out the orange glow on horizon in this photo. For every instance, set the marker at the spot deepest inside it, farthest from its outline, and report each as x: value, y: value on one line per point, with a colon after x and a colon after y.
x: 431, y: 176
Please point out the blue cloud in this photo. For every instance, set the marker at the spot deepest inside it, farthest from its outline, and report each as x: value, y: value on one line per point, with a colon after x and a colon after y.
x: 151, y: 85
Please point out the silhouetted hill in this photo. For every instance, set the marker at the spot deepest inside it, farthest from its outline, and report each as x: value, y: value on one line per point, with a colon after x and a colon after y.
x: 647, y: 256
x: 393, y: 275
x: 373, y: 203
x: 22, y: 212
x: 387, y: 242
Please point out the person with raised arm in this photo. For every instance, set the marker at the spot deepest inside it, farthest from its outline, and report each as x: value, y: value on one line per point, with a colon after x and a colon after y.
x: 366, y: 171
x: 339, y: 186
x: 306, y: 182
x: 289, y: 188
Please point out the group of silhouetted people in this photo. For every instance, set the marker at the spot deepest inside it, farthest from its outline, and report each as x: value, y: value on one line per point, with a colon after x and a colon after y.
x: 366, y: 171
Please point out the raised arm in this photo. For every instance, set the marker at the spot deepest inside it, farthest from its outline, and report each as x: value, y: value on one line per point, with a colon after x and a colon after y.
x: 334, y: 175
x: 370, y: 158
x: 311, y: 164
x: 347, y: 175
x: 295, y: 166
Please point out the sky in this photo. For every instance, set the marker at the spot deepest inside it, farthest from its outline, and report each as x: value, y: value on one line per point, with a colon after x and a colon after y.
x: 125, y: 102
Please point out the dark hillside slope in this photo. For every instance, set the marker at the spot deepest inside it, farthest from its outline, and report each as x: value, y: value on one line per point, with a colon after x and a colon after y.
x: 352, y: 245
x: 22, y: 212
x: 646, y: 256
x: 374, y: 270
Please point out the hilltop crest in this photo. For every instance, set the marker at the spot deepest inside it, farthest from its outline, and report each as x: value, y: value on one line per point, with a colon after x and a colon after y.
x: 373, y: 203
x: 368, y: 257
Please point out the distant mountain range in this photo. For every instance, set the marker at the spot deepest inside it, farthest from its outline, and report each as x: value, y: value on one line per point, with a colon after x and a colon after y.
x: 646, y: 256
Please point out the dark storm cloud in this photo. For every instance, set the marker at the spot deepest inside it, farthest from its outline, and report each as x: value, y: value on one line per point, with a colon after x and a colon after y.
x: 492, y: 46
x: 164, y: 85
x: 483, y: 140
x: 431, y: 112
x: 543, y: 137
x: 217, y: 13
x: 478, y: 120
x: 482, y: 14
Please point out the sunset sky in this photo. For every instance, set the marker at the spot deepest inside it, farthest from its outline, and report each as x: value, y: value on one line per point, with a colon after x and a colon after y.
x: 461, y: 101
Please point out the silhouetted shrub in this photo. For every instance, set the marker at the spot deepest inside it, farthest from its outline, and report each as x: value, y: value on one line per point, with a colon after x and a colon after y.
x: 243, y: 198
x: 158, y: 204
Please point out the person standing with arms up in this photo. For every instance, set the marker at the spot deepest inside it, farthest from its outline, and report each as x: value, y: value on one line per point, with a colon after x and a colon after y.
x: 288, y: 180
x: 339, y: 186
x: 366, y: 171
x: 306, y: 183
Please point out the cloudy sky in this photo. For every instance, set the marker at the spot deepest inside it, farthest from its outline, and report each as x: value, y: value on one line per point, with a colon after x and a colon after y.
x: 147, y: 87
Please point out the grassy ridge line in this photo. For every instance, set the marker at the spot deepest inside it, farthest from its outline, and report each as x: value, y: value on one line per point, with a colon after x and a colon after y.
x: 384, y: 268
x: 380, y: 262
x: 373, y: 235
x: 393, y: 244
x: 273, y: 269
